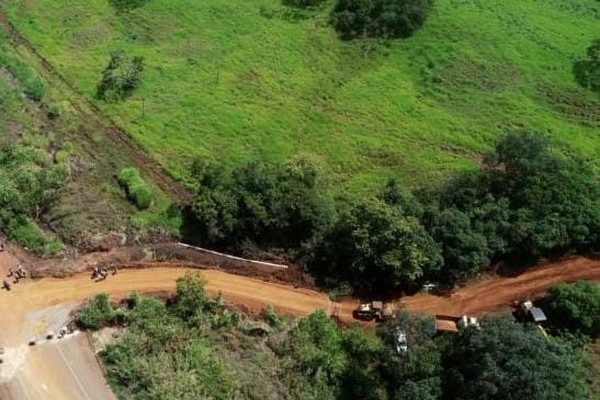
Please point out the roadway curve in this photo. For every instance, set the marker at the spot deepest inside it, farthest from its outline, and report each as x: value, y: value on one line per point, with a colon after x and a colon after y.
x: 68, y: 369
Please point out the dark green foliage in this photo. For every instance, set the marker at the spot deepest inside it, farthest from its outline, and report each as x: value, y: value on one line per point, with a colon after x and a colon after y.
x: 553, y: 200
x: 415, y: 374
x: 120, y: 78
x: 576, y: 308
x: 303, y: 3
x: 379, y: 18
x: 465, y: 250
x: 283, y: 207
x: 508, y: 361
x: 137, y: 189
x: 374, y: 247
x: 587, y: 70
x: 527, y: 203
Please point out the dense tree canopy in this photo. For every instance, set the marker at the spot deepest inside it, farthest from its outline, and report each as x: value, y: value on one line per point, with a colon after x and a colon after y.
x: 379, y: 18
x: 576, y: 307
x: 375, y: 246
x: 509, y: 361
x: 525, y: 203
x: 284, y: 207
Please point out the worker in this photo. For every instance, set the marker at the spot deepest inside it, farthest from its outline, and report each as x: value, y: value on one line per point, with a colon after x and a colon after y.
x: 115, y: 270
x: 95, y: 273
x: 6, y: 285
x: 10, y: 272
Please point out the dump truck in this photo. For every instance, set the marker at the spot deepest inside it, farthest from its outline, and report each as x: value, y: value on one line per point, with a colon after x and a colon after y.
x: 374, y: 310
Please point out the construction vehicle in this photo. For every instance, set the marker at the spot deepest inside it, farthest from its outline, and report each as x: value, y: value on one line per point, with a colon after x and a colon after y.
x: 526, y: 310
x: 450, y: 323
x: 377, y: 310
x: 465, y: 322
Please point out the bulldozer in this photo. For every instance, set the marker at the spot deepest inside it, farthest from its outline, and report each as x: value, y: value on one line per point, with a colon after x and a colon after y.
x: 374, y: 310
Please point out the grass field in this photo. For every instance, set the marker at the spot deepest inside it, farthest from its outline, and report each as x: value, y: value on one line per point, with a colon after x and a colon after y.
x: 239, y: 80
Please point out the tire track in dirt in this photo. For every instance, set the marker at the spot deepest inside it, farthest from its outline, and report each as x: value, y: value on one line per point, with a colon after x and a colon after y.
x: 94, y: 117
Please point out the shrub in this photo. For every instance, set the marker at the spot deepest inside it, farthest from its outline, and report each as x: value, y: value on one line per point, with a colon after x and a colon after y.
x: 587, y: 71
x: 270, y: 316
x: 34, y: 87
x: 98, y: 313
x: 379, y: 18
x: 137, y: 189
x: 120, y: 77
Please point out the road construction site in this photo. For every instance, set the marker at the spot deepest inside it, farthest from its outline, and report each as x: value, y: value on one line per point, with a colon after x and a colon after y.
x: 67, y: 368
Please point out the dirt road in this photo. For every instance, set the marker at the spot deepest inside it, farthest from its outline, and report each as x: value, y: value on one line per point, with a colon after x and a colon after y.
x: 67, y: 369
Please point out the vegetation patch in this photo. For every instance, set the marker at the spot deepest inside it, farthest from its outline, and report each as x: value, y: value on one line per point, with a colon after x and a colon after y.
x: 362, y: 108
x: 574, y: 104
x: 136, y: 188
x: 195, y: 348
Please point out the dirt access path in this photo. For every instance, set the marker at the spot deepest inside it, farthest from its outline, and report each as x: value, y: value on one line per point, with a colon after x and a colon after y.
x: 94, y: 117
x: 67, y: 369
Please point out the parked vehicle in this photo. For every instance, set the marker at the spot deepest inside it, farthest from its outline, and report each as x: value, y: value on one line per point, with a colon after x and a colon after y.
x: 377, y: 310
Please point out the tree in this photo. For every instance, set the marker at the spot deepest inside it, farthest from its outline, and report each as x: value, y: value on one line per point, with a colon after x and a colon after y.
x: 315, y: 348
x: 283, y: 207
x: 553, y: 200
x: 509, y: 361
x: 576, y: 307
x: 587, y: 70
x: 465, y: 250
x: 416, y: 374
x: 379, y: 18
x: 191, y: 296
x: 377, y: 247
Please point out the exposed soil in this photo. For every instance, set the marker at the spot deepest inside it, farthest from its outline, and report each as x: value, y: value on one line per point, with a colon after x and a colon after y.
x: 23, y: 304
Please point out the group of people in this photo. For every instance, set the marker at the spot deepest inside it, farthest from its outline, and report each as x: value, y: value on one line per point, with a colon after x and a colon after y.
x: 100, y: 274
x: 18, y: 273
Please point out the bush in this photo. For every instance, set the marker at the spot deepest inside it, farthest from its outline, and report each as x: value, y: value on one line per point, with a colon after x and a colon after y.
x: 587, y: 70
x: 120, y: 77
x: 98, y: 313
x: 379, y: 18
x: 137, y: 190
x: 270, y: 316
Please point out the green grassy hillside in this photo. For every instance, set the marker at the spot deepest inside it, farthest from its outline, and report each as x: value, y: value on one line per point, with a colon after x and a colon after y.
x: 236, y: 80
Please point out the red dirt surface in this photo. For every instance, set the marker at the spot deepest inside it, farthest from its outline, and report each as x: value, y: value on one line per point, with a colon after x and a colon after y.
x: 490, y: 295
